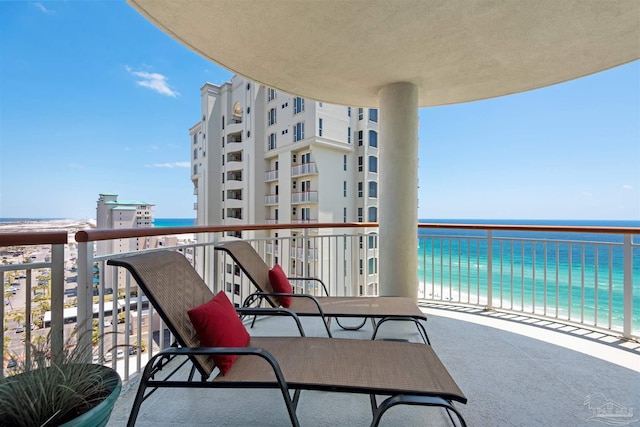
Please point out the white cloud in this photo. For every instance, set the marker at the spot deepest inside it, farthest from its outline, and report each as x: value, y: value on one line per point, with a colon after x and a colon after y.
x: 154, y: 81
x: 627, y: 187
x: 42, y: 8
x: 171, y: 165
x: 587, y: 193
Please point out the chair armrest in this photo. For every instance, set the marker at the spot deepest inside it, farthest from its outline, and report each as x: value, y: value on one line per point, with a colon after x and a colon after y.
x: 324, y: 287
x: 279, y: 311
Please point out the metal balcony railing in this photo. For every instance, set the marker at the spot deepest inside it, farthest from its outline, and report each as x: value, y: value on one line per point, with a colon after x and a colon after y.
x: 589, y: 277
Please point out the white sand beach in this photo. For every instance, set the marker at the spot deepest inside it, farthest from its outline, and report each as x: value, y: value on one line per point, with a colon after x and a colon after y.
x: 70, y: 225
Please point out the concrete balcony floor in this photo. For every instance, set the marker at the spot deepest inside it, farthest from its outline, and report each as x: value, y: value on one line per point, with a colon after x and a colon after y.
x: 515, y: 371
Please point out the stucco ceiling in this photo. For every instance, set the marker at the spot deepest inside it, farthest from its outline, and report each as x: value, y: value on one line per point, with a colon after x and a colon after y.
x: 343, y: 51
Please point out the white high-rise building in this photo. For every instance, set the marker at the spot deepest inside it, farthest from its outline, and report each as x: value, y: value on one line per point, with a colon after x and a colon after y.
x: 260, y: 156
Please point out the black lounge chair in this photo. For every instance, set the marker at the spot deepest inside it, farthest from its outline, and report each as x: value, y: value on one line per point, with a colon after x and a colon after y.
x: 326, y: 307
x: 409, y: 373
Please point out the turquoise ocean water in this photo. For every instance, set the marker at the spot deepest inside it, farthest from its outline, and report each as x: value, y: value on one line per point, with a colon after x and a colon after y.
x: 567, y: 271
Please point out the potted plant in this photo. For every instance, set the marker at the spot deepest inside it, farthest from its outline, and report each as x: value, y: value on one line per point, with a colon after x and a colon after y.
x: 58, y: 391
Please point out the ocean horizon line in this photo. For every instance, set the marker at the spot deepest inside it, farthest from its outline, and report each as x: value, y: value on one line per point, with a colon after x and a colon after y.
x: 520, y: 221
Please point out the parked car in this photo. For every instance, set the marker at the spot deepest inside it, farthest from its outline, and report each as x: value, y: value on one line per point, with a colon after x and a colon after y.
x: 120, y: 354
x: 19, y: 329
x: 12, y: 363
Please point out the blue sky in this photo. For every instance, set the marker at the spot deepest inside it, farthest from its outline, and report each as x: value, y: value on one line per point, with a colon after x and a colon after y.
x: 95, y: 99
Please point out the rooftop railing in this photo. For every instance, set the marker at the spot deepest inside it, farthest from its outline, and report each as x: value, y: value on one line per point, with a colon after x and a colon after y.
x: 589, y: 276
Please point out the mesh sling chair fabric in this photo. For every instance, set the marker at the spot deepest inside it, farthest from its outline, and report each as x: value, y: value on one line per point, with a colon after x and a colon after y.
x: 326, y: 307
x: 409, y: 373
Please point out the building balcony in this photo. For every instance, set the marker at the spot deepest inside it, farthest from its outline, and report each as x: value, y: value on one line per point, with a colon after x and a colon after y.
x: 521, y: 335
x: 271, y: 175
x: 304, y: 197
x: 304, y: 169
x: 271, y: 199
x: 271, y: 221
x: 498, y: 362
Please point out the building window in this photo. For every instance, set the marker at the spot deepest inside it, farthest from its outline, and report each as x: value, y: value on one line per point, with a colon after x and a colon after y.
x: 349, y: 111
x: 360, y: 163
x: 195, y: 153
x: 344, y: 188
x: 360, y: 266
x: 248, y: 86
x: 272, y: 141
x: 271, y: 118
x: 195, y: 138
x: 349, y: 135
x: 344, y: 214
x: 360, y: 113
x: 360, y: 242
x: 373, y: 139
x: 222, y: 122
x: 223, y: 142
x: 373, y: 265
x: 306, y: 214
x: 223, y: 160
x: 298, y: 105
x: 373, y: 114
x: 359, y: 214
x: 319, y: 127
x: 360, y: 189
x: 372, y: 241
x: 271, y: 94
x: 298, y: 132
x: 360, y: 138
x: 344, y: 162
x: 373, y: 189
x: 373, y: 164
x: 373, y: 214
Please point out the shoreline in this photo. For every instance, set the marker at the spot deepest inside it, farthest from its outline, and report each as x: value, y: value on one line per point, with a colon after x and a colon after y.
x: 71, y: 226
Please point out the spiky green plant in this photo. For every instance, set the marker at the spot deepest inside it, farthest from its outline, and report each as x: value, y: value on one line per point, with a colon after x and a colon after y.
x: 46, y: 391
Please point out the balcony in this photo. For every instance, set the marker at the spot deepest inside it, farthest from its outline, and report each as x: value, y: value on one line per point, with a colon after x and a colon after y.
x: 271, y: 175
x: 304, y: 197
x: 515, y: 356
x: 271, y: 199
x: 304, y: 169
x: 521, y: 307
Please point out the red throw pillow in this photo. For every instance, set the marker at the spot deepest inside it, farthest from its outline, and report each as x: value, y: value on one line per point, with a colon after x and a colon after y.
x: 218, y: 325
x: 280, y: 283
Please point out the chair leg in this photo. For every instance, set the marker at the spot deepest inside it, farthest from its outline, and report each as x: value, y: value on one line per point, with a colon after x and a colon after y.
x: 401, y: 399
x: 421, y: 329
x: 352, y: 328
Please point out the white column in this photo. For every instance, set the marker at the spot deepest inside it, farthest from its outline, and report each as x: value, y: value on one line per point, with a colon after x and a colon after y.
x: 398, y: 203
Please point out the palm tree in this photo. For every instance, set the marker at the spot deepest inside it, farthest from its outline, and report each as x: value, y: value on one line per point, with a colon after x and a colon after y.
x: 8, y: 295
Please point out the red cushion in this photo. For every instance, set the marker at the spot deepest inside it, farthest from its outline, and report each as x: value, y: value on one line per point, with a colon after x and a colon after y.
x: 280, y: 283
x: 218, y: 325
